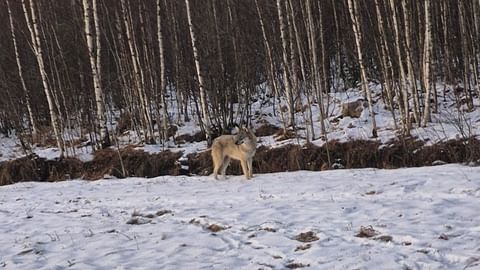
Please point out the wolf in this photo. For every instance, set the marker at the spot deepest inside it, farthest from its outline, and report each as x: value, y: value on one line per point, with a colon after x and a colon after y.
x: 241, y: 146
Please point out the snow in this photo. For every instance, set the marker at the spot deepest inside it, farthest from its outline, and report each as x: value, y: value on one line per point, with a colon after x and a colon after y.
x: 431, y: 213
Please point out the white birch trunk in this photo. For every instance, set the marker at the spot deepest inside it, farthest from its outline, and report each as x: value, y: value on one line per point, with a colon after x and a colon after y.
x: 316, y: 73
x: 138, y: 76
x: 203, y: 94
x: 403, y: 88
x: 353, y: 9
x: 288, y: 88
x: 37, y: 49
x: 386, y: 60
x: 412, y: 85
x: 310, y: 127
x: 163, y: 83
x: 20, y: 72
x: 427, y: 62
x: 94, y: 57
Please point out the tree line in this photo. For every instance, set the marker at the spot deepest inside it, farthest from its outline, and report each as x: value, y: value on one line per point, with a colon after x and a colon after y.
x: 79, y: 63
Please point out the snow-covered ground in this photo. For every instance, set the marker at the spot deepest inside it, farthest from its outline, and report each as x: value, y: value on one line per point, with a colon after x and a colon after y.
x: 425, y: 218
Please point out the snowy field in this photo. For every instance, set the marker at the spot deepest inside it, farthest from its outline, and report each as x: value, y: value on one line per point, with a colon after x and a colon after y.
x: 418, y: 218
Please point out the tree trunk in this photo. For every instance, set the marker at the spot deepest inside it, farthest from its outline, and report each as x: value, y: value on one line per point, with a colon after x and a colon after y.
x: 386, y: 61
x: 403, y: 88
x: 137, y: 76
x: 310, y: 127
x: 20, y: 73
x: 316, y: 72
x: 353, y: 9
x: 163, y: 79
x: 412, y: 84
x: 203, y: 95
x: 37, y: 49
x: 427, y: 62
x: 286, y: 73
x: 94, y: 53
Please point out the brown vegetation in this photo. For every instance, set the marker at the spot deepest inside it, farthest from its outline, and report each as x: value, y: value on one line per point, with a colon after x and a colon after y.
x: 355, y: 154
x: 105, y: 162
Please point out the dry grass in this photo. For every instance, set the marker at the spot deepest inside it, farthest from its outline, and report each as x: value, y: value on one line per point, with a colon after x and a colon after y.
x: 356, y: 154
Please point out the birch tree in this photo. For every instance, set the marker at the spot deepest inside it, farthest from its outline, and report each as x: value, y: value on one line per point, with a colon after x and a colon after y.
x: 315, y: 66
x: 404, y: 106
x: 286, y: 78
x: 353, y: 9
x: 411, y: 82
x: 386, y: 61
x: 94, y: 53
x: 310, y: 127
x: 163, y: 82
x: 20, y: 72
x: 205, y: 121
x: 37, y: 47
x: 138, y: 77
x: 427, y: 62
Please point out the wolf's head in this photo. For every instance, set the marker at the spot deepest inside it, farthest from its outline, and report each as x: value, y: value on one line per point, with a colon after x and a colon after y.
x: 245, y: 135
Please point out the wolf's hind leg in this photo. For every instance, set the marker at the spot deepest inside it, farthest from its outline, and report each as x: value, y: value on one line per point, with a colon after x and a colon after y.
x: 217, y: 162
x: 226, y: 162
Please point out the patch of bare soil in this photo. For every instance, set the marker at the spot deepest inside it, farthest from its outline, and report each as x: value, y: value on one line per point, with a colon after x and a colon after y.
x: 303, y: 247
x: 296, y: 265
x: 367, y: 232
x: 215, y: 228
x: 307, y: 237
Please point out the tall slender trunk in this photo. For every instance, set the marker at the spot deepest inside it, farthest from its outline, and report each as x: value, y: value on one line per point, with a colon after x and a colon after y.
x: 385, y: 60
x: 465, y: 53
x: 310, y: 126
x: 33, y: 27
x: 137, y: 76
x: 163, y: 79
x: 203, y: 95
x: 427, y: 62
x: 94, y: 53
x: 286, y: 73
x: 412, y: 84
x: 353, y: 9
x: 403, y: 88
x: 20, y: 73
x: 316, y: 71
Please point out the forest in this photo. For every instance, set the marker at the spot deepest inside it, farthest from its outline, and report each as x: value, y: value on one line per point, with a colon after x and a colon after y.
x: 91, y: 65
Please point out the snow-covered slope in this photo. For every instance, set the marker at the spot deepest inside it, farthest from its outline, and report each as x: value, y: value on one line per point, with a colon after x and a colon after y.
x: 431, y: 215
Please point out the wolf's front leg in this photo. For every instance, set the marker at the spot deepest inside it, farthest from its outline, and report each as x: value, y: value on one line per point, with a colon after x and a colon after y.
x: 250, y: 168
x: 244, y: 164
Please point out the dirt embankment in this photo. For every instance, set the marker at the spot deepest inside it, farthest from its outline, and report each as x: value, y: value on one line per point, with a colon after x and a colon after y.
x: 131, y: 162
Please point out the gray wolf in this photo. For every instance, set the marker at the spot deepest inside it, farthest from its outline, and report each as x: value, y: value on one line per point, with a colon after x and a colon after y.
x: 241, y: 146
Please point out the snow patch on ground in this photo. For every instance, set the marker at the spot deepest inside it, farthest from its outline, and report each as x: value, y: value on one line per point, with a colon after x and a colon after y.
x: 273, y: 221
